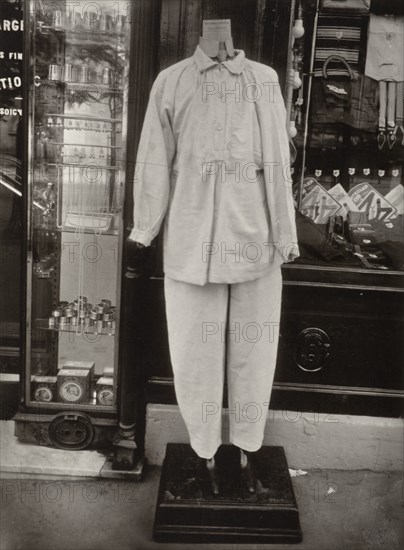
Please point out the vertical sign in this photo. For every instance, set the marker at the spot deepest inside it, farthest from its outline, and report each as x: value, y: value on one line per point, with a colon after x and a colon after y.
x: 11, y: 59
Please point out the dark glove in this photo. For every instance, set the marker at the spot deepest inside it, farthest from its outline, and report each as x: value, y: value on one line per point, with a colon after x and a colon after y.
x: 136, y: 259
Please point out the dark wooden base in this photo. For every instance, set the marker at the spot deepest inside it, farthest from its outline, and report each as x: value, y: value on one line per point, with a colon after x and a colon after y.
x: 188, y: 512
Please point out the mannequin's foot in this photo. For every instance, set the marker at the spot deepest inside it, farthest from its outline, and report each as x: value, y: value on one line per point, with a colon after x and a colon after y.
x: 211, y: 475
x: 247, y: 472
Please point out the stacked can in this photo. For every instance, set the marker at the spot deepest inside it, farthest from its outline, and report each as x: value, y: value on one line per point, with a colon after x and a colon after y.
x: 80, y: 313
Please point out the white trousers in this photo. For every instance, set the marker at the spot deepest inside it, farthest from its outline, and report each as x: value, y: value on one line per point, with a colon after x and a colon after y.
x: 218, y: 326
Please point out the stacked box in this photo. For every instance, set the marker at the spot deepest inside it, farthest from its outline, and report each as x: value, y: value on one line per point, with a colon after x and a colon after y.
x: 43, y: 388
x: 88, y: 365
x: 73, y: 385
x: 105, y: 391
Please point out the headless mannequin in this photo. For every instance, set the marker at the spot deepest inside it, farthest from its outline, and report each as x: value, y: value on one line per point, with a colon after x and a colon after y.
x: 221, y: 50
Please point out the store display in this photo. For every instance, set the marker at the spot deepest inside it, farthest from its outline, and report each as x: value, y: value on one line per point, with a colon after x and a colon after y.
x: 75, y: 63
x: 73, y: 385
x: 81, y: 365
x: 400, y: 111
x: 317, y: 203
x: 385, y: 46
x: 81, y: 316
x: 341, y: 196
x: 314, y: 239
x: 43, y: 388
x: 338, y: 35
x: 353, y: 142
x: 75, y: 191
x: 362, y: 112
x: 332, y: 96
x: 75, y: 382
x: 295, y: 81
x: 104, y: 389
x: 345, y: 6
x: 370, y: 200
x: 75, y: 20
x: 396, y: 198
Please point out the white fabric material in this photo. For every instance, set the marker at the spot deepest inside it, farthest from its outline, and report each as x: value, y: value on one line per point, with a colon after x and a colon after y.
x: 213, y: 163
x: 384, y: 57
x: 204, y: 341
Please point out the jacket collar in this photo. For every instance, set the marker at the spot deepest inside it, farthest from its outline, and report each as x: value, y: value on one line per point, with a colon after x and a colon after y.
x: 235, y: 65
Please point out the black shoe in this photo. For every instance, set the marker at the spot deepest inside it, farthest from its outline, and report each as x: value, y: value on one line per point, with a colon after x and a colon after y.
x: 248, y: 475
x: 211, y: 477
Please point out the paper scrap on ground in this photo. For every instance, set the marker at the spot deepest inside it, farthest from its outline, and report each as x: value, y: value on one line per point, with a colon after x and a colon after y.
x: 296, y: 473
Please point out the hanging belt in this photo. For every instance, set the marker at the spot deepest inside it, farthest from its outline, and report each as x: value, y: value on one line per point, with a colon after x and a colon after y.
x: 387, y: 113
x: 400, y: 109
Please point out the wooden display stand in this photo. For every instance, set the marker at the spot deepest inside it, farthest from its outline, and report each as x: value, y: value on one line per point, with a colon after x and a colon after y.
x: 187, y: 512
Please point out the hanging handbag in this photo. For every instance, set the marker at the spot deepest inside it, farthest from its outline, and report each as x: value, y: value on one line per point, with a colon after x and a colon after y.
x: 363, y: 112
x: 331, y: 97
x: 346, y: 6
x: 342, y: 35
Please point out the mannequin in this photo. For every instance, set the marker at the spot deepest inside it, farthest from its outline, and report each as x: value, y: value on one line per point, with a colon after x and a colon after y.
x: 189, y: 134
x: 221, y: 50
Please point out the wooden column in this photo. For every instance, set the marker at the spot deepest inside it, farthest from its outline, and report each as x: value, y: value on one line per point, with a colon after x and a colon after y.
x: 129, y: 440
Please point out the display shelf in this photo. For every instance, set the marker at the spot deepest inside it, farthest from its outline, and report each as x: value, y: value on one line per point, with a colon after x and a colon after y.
x: 89, y: 118
x: 74, y: 213
x: 86, y: 231
x: 78, y: 330
x: 85, y: 85
x: 86, y: 164
x: 56, y: 405
x: 81, y: 36
x: 93, y: 145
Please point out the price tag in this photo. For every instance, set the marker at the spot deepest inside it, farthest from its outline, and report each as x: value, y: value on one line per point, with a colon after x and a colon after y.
x: 217, y: 29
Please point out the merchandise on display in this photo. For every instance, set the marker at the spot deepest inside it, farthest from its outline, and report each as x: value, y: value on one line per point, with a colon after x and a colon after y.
x: 356, y: 112
x: 104, y: 390
x: 81, y: 316
x: 73, y: 385
x: 76, y: 20
x: 43, y: 388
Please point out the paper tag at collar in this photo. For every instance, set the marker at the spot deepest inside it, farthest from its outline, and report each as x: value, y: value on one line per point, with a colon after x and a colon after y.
x: 216, y: 29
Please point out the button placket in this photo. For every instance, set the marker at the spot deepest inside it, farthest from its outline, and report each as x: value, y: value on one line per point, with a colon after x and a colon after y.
x: 221, y: 109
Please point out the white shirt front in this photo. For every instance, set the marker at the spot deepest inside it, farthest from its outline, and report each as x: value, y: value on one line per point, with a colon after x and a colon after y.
x: 213, y: 164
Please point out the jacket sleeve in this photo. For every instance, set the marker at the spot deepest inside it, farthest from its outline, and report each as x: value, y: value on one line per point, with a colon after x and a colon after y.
x: 152, y: 171
x: 277, y: 174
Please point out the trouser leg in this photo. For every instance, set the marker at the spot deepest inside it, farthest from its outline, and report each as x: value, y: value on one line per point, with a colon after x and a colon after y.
x: 196, y: 316
x: 252, y: 343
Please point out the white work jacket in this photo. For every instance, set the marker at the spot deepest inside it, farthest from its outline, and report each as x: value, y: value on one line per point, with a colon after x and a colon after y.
x: 213, y: 164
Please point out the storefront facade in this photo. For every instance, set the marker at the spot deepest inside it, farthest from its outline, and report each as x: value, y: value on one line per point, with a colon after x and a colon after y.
x: 95, y: 350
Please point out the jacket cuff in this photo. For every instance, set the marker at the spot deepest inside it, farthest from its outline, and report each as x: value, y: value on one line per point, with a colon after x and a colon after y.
x: 142, y: 237
x: 289, y: 251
